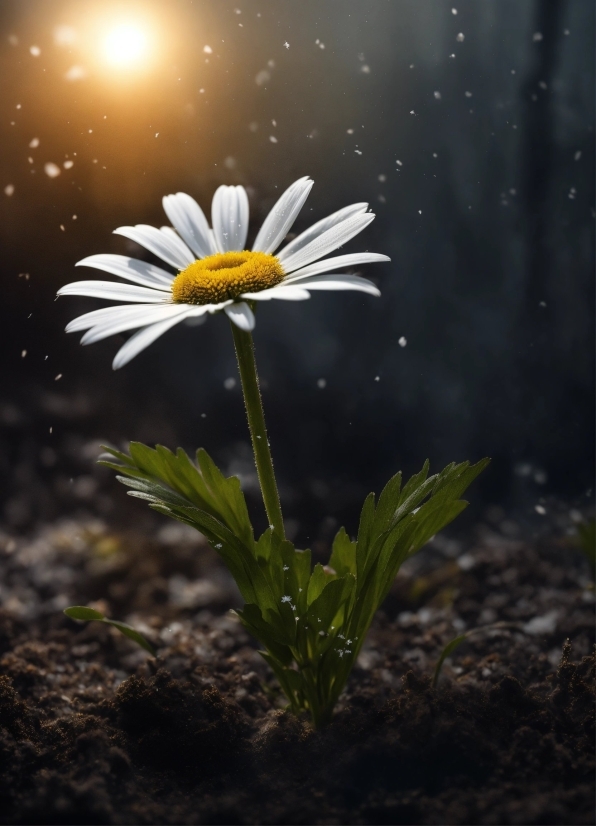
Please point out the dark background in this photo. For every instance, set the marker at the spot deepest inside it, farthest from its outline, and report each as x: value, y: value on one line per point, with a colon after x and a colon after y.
x: 488, y: 219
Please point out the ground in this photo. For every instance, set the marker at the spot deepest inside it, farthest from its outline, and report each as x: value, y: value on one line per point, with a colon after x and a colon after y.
x: 95, y: 731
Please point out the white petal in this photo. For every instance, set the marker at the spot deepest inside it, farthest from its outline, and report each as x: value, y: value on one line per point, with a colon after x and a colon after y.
x: 115, y: 292
x: 321, y: 226
x: 189, y: 220
x: 173, y: 252
x: 242, y: 316
x: 88, y: 320
x: 120, y: 325
x: 143, y: 338
x: 340, y: 281
x: 279, y: 291
x: 130, y: 268
x: 328, y: 241
x: 229, y: 216
x: 277, y: 224
x: 329, y: 264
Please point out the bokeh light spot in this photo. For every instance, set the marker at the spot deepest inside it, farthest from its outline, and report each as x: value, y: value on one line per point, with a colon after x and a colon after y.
x: 125, y: 46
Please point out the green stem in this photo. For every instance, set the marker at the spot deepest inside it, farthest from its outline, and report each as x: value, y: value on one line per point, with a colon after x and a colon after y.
x: 245, y: 353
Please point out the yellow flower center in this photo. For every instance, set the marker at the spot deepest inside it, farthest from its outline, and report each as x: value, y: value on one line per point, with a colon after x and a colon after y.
x: 226, y: 275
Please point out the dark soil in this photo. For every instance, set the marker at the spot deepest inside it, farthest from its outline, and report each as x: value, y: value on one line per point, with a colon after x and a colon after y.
x: 95, y: 731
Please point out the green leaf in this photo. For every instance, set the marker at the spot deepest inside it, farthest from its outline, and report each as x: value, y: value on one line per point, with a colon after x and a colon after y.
x: 133, y: 635
x: 318, y: 579
x: 174, y: 479
x: 322, y: 611
x: 81, y: 612
x: 270, y: 633
x: 449, y: 649
x: 343, y: 554
x: 365, y: 527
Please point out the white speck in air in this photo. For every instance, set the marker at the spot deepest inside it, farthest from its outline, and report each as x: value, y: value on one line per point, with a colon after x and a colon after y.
x: 435, y: 155
x: 13, y: 40
x: 460, y: 37
x: 207, y: 50
x: 402, y: 341
x: 540, y: 509
x: 34, y: 143
x: 399, y: 163
x: 321, y: 383
x: 286, y: 567
x: 382, y: 178
x: 219, y: 545
x: 453, y: 11
x: 350, y: 131
x: 537, y: 37
x: 52, y: 170
x: 35, y: 51
x: 9, y: 190
x: 230, y: 383
x: 468, y: 94
x: 68, y: 164
x: 357, y: 151
x: 365, y: 69
x: 23, y: 353
x: 437, y: 95
x: 287, y: 45
x: 377, y: 378
x: 577, y: 155
x: 58, y: 377
x: 412, y: 112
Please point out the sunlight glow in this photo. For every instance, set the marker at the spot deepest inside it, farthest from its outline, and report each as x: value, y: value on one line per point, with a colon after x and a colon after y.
x: 125, y: 46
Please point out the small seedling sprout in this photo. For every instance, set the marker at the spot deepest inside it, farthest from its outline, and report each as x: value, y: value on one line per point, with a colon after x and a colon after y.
x: 84, y: 614
x: 457, y: 641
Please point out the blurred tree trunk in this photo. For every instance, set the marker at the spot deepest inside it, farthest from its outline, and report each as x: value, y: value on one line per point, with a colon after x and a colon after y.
x: 536, y: 319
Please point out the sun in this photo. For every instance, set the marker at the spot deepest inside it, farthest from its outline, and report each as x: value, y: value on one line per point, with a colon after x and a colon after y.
x: 125, y: 46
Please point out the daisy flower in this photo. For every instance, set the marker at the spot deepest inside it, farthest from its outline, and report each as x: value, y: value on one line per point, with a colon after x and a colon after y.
x: 213, y: 270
